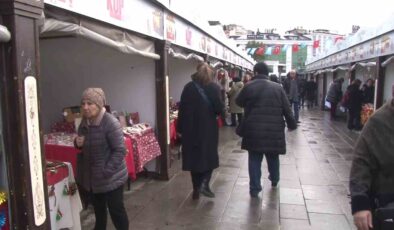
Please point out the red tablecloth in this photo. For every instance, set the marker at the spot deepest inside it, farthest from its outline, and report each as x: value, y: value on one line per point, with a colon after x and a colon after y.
x: 146, y: 148
x: 59, y: 174
x: 173, y: 135
x: 69, y: 154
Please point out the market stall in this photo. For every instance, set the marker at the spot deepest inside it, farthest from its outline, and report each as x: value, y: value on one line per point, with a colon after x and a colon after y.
x: 389, y: 79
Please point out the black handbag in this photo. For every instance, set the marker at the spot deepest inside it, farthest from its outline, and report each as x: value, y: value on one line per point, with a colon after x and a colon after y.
x: 384, y: 217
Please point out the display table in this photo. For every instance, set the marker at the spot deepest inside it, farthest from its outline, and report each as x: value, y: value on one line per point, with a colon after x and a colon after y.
x: 66, y: 153
x: 64, y: 200
x: 145, y: 146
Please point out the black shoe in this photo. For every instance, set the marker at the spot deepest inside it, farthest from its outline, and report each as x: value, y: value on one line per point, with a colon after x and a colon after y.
x: 298, y: 122
x: 274, y: 184
x: 196, y: 195
x: 254, y: 194
x: 206, y: 191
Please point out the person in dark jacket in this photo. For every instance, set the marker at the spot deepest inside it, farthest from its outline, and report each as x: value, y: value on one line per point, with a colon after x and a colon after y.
x: 354, y: 105
x: 199, y: 106
x: 369, y: 91
x: 334, y: 95
x: 101, y: 167
x: 371, y: 175
x: 266, y: 105
x: 311, y: 92
x: 292, y: 86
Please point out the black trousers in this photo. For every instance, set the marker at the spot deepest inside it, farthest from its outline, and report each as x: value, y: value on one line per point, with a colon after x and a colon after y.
x: 198, y: 178
x: 233, y: 117
x: 114, y: 201
x: 354, y: 119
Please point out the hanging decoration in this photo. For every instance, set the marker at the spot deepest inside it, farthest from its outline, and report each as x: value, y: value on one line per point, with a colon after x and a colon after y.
x: 296, y: 48
x: 59, y: 215
x: 252, y: 51
x: 268, y: 51
x: 316, y: 44
x: 339, y: 38
x: 260, y: 51
x: 276, y: 50
x: 3, y: 219
x: 3, y: 197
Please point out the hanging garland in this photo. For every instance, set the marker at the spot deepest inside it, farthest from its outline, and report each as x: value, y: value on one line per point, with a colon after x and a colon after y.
x: 2, y: 219
x: 3, y: 198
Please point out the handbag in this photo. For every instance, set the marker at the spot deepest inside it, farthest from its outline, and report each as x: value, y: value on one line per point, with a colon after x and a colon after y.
x: 384, y: 217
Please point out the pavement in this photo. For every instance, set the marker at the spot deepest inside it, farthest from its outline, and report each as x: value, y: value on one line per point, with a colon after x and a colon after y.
x: 312, y: 193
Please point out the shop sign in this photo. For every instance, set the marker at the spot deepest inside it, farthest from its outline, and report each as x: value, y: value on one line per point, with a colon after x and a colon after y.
x: 34, y: 148
x: 380, y: 46
x: 137, y: 15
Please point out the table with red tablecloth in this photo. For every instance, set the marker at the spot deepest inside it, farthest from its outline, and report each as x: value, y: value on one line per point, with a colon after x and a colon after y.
x: 63, y: 197
x: 69, y: 154
x: 145, y: 146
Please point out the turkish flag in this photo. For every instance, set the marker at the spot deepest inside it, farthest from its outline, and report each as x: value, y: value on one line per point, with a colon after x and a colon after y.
x: 316, y: 44
x: 296, y: 48
x: 276, y: 50
x: 259, y: 51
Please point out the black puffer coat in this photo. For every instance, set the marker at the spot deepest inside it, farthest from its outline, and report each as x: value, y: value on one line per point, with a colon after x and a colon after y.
x: 198, y: 125
x: 101, y: 165
x: 266, y: 105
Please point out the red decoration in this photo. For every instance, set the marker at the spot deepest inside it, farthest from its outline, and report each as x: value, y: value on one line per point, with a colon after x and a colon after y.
x: 276, y: 50
x: 316, y: 44
x: 260, y: 51
x: 115, y: 8
x: 296, y: 47
x: 338, y: 38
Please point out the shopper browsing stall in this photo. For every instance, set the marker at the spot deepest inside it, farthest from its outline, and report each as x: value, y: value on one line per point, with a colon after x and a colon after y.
x: 101, y: 167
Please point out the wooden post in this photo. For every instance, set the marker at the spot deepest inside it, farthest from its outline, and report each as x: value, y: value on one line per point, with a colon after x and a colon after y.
x: 20, y: 70
x: 380, y: 74
x: 162, y: 108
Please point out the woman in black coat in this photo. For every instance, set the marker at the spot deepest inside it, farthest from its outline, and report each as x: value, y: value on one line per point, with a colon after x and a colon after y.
x: 200, y: 105
x: 354, y: 105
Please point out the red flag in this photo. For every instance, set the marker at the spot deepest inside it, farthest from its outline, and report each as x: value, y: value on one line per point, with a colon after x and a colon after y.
x: 276, y: 50
x: 296, y: 48
x: 338, y: 38
x: 316, y: 44
x: 260, y: 51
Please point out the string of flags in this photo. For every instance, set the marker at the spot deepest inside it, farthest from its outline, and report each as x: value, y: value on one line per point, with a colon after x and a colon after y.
x: 276, y: 49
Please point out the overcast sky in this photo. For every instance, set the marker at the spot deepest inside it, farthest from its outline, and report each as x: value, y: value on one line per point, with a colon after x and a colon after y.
x: 335, y: 15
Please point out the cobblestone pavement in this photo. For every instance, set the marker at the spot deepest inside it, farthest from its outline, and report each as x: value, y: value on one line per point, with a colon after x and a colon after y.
x: 312, y: 193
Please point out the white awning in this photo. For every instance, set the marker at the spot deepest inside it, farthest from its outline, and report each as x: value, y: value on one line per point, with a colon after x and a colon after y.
x: 180, y: 55
x: 385, y: 63
x: 363, y: 64
x: 58, y: 23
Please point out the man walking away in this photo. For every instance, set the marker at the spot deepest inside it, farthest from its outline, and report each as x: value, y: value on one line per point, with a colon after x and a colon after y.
x: 292, y: 88
x: 266, y: 105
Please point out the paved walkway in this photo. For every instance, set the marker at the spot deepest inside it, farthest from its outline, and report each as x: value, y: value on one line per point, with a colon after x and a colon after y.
x: 312, y: 193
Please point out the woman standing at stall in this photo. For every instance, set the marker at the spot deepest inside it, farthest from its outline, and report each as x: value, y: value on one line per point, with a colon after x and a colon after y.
x: 101, y: 167
x: 199, y: 106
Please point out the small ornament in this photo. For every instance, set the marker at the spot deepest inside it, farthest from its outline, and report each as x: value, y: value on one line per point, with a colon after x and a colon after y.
x: 2, y: 219
x: 3, y: 197
x: 59, y: 215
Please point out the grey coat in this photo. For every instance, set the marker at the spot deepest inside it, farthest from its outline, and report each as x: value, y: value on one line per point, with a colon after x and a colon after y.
x: 334, y: 93
x: 101, y: 166
x: 371, y: 174
x: 266, y: 110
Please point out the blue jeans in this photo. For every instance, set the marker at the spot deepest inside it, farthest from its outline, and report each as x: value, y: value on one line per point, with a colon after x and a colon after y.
x: 296, y: 106
x: 255, y: 159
